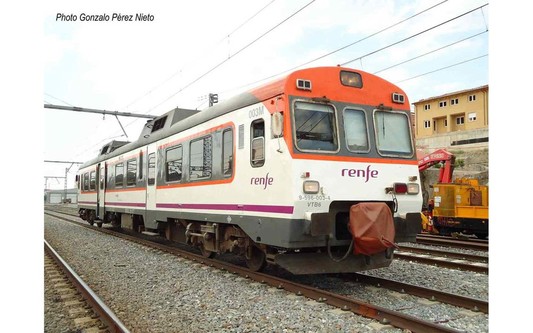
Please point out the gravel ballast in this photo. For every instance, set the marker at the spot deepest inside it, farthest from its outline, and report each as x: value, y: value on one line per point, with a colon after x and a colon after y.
x: 151, y: 291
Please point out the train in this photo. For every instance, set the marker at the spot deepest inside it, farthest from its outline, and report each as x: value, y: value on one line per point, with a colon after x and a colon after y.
x: 314, y: 172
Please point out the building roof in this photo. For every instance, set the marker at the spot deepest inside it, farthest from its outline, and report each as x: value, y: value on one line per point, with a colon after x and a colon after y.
x: 460, y: 92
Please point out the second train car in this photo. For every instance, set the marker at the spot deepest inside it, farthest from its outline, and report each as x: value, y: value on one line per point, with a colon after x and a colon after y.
x: 315, y: 172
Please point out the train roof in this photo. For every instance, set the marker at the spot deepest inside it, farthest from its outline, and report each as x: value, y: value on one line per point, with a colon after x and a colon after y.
x: 178, y: 120
x: 172, y: 122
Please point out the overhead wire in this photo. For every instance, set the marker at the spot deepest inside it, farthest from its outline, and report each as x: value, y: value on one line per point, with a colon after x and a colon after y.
x: 432, y: 51
x: 415, y: 35
x: 58, y: 99
x: 443, y: 68
x: 233, y: 55
x: 343, y: 47
x: 181, y: 69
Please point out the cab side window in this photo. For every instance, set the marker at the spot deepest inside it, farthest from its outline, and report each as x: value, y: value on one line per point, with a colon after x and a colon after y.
x: 257, y: 144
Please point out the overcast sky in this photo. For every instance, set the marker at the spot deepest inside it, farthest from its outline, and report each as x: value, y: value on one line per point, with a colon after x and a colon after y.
x: 189, y: 49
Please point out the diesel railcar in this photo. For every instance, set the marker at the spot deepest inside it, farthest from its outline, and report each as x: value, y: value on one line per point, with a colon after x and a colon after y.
x: 315, y: 172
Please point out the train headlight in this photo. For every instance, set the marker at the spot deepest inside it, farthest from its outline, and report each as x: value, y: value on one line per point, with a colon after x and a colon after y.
x: 311, y: 186
x: 413, y: 188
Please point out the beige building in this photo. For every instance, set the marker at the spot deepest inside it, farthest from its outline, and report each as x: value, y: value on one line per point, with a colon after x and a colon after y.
x: 458, y: 111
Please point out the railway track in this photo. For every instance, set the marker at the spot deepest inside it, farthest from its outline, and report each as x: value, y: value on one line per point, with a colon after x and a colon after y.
x: 444, y: 253
x: 470, y: 303
x: 470, y: 243
x: 383, y: 315
x: 87, y: 311
x: 443, y: 261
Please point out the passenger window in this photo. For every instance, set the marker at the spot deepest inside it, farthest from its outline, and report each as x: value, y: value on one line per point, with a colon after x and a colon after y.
x: 257, y: 156
x: 174, y: 157
x: 92, y: 183
x: 141, y: 165
x: 151, y: 169
x: 201, y: 158
x: 131, y: 172
x: 119, y: 175
x: 102, y: 178
x: 227, y: 152
x: 86, y: 182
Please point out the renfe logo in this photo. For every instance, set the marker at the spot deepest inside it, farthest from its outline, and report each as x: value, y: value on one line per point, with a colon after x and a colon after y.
x: 264, y: 181
x: 360, y: 173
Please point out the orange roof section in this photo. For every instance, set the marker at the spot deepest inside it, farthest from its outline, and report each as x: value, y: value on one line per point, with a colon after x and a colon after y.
x: 326, y: 81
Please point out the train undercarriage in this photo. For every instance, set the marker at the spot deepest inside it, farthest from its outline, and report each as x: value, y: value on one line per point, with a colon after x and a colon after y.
x: 216, y: 238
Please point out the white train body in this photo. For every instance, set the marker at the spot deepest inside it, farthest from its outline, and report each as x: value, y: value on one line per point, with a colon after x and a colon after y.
x: 270, y: 174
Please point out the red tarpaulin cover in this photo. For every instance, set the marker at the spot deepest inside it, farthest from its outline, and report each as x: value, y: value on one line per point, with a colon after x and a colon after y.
x: 372, y: 227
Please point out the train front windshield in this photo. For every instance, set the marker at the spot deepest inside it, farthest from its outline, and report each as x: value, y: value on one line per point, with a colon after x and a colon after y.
x: 392, y: 133
x: 315, y: 126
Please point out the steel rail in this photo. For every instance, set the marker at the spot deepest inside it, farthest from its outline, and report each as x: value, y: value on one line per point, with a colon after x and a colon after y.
x: 105, y: 314
x: 477, y: 267
x: 443, y: 253
x: 473, y: 304
x: 468, y: 244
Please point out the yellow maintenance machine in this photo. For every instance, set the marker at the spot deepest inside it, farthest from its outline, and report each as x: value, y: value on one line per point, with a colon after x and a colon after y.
x: 458, y: 206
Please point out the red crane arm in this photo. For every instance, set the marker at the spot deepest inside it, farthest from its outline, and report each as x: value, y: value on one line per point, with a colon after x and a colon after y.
x: 439, y: 156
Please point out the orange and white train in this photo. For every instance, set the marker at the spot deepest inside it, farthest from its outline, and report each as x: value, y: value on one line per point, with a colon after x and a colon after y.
x: 315, y: 172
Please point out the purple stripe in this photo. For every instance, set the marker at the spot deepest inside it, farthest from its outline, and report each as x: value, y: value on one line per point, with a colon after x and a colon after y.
x: 233, y: 207
x: 126, y: 204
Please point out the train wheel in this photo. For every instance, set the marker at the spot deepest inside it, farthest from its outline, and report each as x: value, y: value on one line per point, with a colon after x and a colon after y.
x: 256, y: 260
x: 207, y: 253
x: 91, y: 216
x: 99, y: 224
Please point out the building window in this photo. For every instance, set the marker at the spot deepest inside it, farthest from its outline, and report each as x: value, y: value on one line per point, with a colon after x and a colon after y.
x: 472, y: 116
x: 471, y: 98
x: 174, y: 157
x: 131, y: 172
x: 427, y: 107
x: 200, y: 158
x: 460, y: 120
x: 119, y: 175
x: 454, y: 101
x: 445, y: 122
x: 442, y: 104
x: 427, y: 124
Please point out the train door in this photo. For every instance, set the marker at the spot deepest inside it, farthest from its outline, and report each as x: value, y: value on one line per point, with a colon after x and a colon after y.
x: 151, y: 182
x: 100, y: 200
